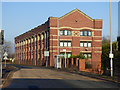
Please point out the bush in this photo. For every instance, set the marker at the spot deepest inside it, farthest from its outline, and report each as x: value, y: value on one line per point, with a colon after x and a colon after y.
x: 80, y: 56
x: 73, y: 56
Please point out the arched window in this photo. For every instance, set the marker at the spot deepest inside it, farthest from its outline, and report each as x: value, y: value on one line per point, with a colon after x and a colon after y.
x: 65, y: 32
x: 85, y: 33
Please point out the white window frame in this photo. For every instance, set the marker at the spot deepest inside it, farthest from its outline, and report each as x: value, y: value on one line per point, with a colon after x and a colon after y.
x: 81, y: 44
x: 65, y: 44
x: 89, y: 44
x: 69, y: 44
x: 61, y: 44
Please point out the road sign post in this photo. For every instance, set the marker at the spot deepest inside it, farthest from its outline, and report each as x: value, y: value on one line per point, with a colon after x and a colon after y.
x: 5, y: 57
x: 46, y: 53
x: 1, y: 43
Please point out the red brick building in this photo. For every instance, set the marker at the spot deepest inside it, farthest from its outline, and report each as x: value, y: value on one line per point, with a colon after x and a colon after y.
x: 76, y: 32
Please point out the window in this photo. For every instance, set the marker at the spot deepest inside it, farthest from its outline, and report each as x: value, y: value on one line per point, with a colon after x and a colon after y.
x: 89, y: 33
x: 81, y: 44
x: 65, y: 43
x: 85, y: 44
x: 85, y: 33
x: 87, y: 55
x: 81, y: 33
x: 69, y: 44
x: 67, y: 54
x: 65, y: 32
x: 69, y: 32
x: 61, y: 32
x: 61, y: 44
x: 89, y: 44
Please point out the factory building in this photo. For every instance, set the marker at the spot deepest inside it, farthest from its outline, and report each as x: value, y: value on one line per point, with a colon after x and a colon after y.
x: 75, y: 31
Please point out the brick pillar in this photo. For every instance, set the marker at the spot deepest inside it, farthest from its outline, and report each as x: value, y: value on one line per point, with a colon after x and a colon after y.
x: 41, y: 49
x: 72, y: 61
x: 67, y: 62
x: 63, y: 61
x: 81, y: 64
x: 77, y: 62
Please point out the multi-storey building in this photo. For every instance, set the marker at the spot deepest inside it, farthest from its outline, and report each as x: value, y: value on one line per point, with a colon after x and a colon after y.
x: 76, y: 32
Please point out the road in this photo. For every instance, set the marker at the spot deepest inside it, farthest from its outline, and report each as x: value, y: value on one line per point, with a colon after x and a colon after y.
x: 36, y: 77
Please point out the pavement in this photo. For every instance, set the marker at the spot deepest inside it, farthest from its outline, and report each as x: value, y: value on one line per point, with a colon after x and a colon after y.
x: 40, y: 77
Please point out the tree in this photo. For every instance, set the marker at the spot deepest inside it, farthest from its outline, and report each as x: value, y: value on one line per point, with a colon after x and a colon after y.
x: 7, y: 47
x: 105, y: 40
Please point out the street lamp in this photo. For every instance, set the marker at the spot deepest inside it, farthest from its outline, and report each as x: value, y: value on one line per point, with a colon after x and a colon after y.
x: 111, y: 55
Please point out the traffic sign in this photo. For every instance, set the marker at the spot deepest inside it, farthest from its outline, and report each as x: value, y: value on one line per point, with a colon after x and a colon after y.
x: 46, y: 53
x: 5, y: 54
x: 111, y: 55
x: 5, y: 58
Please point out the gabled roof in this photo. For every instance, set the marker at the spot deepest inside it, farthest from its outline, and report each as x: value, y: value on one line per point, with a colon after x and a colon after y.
x: 79, y: 12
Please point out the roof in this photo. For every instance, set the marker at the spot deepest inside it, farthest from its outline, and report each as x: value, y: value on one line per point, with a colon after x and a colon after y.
x: 74, y: 11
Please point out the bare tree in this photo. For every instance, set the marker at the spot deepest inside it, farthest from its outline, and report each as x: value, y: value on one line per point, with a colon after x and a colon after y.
x: 7, y: 47
x: 105, y: 40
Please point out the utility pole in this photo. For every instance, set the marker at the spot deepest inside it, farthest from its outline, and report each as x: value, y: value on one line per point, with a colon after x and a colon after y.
x: 1, y: 43
x: 111, y: 55
x: 57, y: 37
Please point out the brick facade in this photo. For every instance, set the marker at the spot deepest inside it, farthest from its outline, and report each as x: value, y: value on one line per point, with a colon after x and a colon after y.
x: 30, y: 46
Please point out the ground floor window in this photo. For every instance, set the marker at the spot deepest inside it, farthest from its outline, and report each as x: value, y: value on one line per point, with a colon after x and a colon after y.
x: 68, y: 54
x: 87, y: 55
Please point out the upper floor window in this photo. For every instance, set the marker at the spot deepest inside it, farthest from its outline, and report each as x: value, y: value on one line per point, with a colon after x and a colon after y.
x: 85, y: 44
x: 65, y: 32
x: 65, y: 43
x: 85, y: 33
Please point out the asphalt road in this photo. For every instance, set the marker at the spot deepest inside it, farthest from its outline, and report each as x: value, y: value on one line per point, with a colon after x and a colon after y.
x: 36, y: 77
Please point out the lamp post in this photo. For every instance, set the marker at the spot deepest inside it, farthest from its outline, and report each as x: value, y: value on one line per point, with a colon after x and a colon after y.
x: 111, y: 55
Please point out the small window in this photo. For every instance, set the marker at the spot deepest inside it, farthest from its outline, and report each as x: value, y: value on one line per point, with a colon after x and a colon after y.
x: 89, y: 55
x: 61, y: 44
x: 65, y: 32
x: 89, y: 44
x: 69, y: 44
x: 85, y: 55
x: 69, y: 32
x: 61, y: 32
x: 81, y: 44
x: 85, y: 44
x: 89, y: 33
x: 69, y: 55
x: 81, y: 33
x: 65, y: 44
x: 85, y: 33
